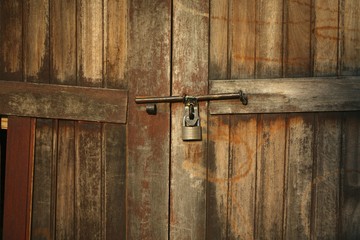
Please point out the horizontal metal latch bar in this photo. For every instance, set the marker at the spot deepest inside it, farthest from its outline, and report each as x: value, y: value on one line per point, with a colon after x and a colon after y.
x: 172, y: 99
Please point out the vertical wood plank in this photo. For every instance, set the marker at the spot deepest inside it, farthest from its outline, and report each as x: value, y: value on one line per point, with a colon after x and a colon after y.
x: 115, y: 43
x: 242, y: 177
x: 88, y: 180
x: 351, y: 37
x: 350, y: 203
x: 65, y: 184
x: 188, y: 160
x: 271, y: 128
x: 42, y: 211
x: 218, y: 170
x: 219, y: 22
x: 242, y: 169
x: 148, y: 71
x: 326, y: 176
x: 11, y: 47
x: 270, y: 176
x: 242, y: 38
x: 36, y: 40
x: 114, y: 158
x: 218, y: 127
x: 297, y: 38
x: 269, y: 38
x: 18, y: 175
x: 325, y: 37
x: 90, y: 43
x: 299, y: 155
x: 63, y: 42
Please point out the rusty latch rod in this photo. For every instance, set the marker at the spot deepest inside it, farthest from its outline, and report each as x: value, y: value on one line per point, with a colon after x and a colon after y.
x: 151, y: 101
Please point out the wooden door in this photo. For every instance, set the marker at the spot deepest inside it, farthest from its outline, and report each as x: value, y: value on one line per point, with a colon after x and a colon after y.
x: 279, y: 175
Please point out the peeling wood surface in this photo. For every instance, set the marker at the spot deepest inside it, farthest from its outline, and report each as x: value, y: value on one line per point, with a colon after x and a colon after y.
x: 64, y: 102
x: 188, y: 159
x: 289, y: 95
x: 148, y: 160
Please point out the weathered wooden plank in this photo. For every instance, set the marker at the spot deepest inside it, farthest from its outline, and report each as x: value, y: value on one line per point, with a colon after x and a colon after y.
x: 270, y: 176
x: 350, y: 25
x: 219, y: 22
x: 36, y: 40
x: 326, y: 176
x: 42, y: 211
x: 242, y: 38
x: 269, y: 38
x: 325, y: 37
x: 289, y: 95
x: 115, y: 43
x: 11, y: 44
x: 148, y: 71
x: 88, y: 181
x: 19, y: 175
x: 65, y: 181
x: 90, y: 43
x: 218, y: 173
x: 299, y: 165
x: 63, y: 42
x: 350, y: 202
x: 297, y: 38
x: 190, y: 75
x: 64, y: 102
x: 114, y: 181
x: 218, y: 128
x: 242, y: 177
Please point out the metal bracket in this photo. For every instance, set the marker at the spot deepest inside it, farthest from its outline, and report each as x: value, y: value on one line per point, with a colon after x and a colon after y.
x: 152, y: 101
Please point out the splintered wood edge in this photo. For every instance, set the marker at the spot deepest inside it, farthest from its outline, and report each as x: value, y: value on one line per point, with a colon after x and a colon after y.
x: 288, y: 95
x: 63, y: 102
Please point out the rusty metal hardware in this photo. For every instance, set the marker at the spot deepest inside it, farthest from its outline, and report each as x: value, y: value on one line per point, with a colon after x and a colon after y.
x: 191, y: 129
x: 173, y: 99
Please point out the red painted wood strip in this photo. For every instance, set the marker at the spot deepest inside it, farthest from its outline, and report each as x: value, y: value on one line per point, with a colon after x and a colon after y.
x: 18, y: 183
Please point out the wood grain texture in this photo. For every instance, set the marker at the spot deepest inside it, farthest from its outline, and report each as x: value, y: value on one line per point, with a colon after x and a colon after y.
x: 269, y: 38
x: 289, y: 95
x: 270, y: 176
x: 63, y: 49
x: 36, y: 40
x: 90, y: 41
x: 65, y: 181
x: 188, y: 160
x: 242, y: 177
x: 115, y: 43
x: 326, y: 176
x: 218, y: 128
x: 325, y: 37
x: 350, y: 198
x: 217, y: 189
x: 351, y: 37
x: 114, y: 181
x: 42, y: 211
x: 148, y: 71
x: 297, y: 38
x: 11, y: 44
x: 64, y: 102
x: 18, y: 187
x: 88, y: 188
x: 299, y: 167
x: 242, y: 38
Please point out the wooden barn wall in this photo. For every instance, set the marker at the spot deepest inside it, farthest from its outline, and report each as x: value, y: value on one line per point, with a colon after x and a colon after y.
x: 290, y: 176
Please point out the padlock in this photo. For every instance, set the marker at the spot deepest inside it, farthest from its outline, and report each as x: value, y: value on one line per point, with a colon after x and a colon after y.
x: 191, y: 129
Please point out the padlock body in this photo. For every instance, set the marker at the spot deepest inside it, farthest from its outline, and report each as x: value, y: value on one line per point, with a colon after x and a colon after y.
x: 191, y: 133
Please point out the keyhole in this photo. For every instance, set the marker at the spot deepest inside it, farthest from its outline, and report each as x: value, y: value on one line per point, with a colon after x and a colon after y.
x: 191, y: 112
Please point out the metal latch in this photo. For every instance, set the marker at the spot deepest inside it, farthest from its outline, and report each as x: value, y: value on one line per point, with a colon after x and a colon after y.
x: 191, y: 128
